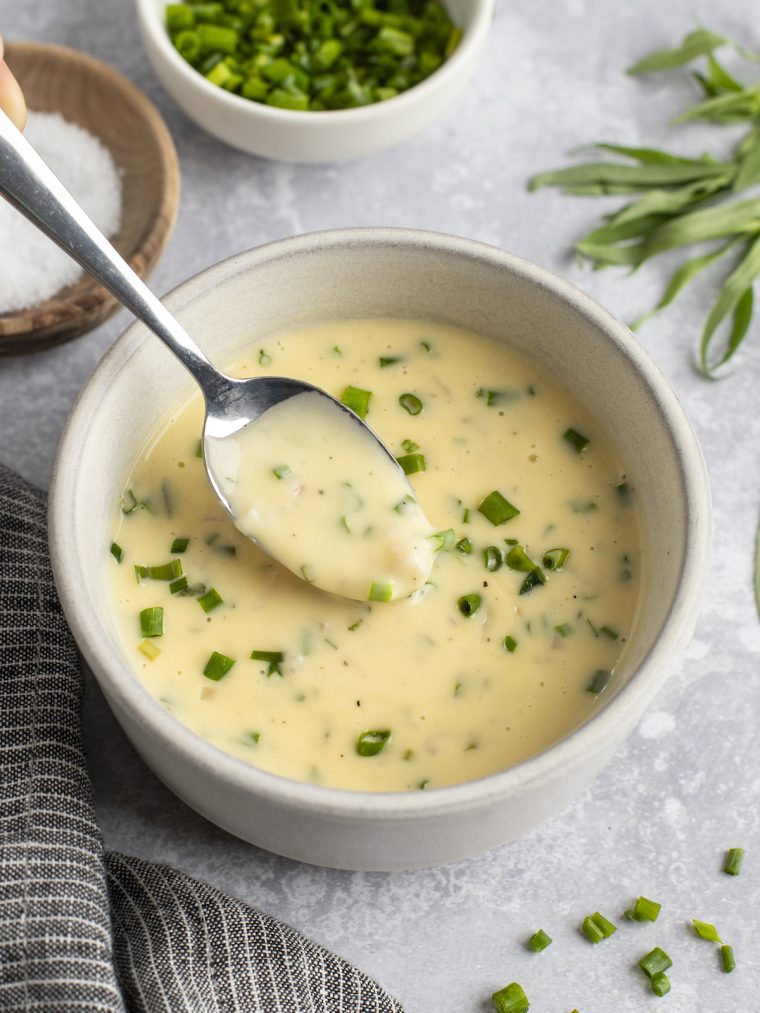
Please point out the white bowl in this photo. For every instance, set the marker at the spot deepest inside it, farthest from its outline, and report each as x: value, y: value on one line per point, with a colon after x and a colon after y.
x: 371, y: 272
x: 332, y: 136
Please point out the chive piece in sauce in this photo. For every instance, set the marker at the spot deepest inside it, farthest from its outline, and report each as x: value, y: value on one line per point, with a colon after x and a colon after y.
x: 357, y: 400
x: 217, y: 666
x: 644, y: 910
x: 493, y: 559
x: 264, y: 357
x: 412, y: 463
x: 403, y: 504
x: 380, y: 592
x: 534, y: 579
x: 497, y: 509
x: 564, y: 629
x: 510, y: 644
x: 623, y: 490
x: 510, y: 999
x: 518, y: 559
x: 706, y: 931
x: 179, y: 545
x: 388, y: 360
x: 466, y: 515
x: 199, y: 448
x: 733, y: 862
x: 444, y: 540
x: 128, y: 502
x: 165, y: 571
x: 496, y: 397
x: 464, y: 545
x: 282, y: 471
x: 577, y: 440
x: 251, y: 738
x: 273, y: 658
x: 178, y: 586
x: 599, y: 682
x: 661, y: 984
x: 410, y: 403
x: 370, y: 743
x: 555, y: 559
x: 409, y: 446
x: 539, y: 941
x: 152, y: 621
x: 727, y: 958
x: 655, y: 962
x: 469, y: 604
x: 149, y: 649
x: 210, y: 600
x: 117, y: 552
x: 609, y: 632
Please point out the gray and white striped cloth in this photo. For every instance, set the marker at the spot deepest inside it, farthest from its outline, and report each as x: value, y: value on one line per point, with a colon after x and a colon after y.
x: 85, y: 929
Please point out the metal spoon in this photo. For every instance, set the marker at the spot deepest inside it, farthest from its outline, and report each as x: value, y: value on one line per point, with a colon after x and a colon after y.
x: 231, y: 404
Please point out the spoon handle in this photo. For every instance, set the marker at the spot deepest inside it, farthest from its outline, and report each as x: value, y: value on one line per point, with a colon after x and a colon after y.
x: 30, y: 186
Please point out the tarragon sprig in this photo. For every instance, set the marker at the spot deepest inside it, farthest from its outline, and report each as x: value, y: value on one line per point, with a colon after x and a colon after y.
x: 678, y: 202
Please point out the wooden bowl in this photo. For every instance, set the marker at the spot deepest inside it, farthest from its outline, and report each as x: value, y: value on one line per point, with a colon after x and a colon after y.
x: 99, y: 99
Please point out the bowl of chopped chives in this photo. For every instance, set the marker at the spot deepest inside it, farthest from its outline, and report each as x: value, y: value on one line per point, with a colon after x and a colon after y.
x: 302, y: 83
x: 389, y: 734
x: 109, y: 146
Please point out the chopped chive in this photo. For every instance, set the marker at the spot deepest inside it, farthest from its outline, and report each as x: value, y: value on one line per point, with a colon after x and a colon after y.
x: 555, y: 559
x: 593, y: 628
x: 152, y: 621
x: 534, y: 579
x: 496, y: 397
x: 210, y: 600
x: 644, y: 910
x: 577, y: 440
x: 539, y: 941
x: 599, y: 682
x: 178, y: 586
x: 282, y: 471
x: 273, y: 658
x: 733, y: 862
x: 510, y: 999
x: 370, y: 743
x: 165, y: 571
x: 727, y: 958
x: 356, y: 625
x: 706, y: 931
x: 149, y: 649
x: 609, y: 632
x: 655, y: 962
x: 128, y: 502
x: 410, y: 403
x: 166, y: 495
x: 564, y: 629
x: 518, y: 559
x: 199, y: 448
x: 497, y: 509
x: 403, y: 504
x: 466, y: 515
x: 464, y: 545
x: 510, y: 541
x: 179, y: 545
x: 623, y: 490
x: 380, y: 592
x: 412, y: 463
x: 117, y: 552
x: 389, y: 360
x: 510, y: 644
x: 217, y: 666
x: 469, y: 604
x: 264, y: 357
x: 409, y: 446
x: 252, y: 738
x: 596, y: 927
x: 357, y: 400
x: 444, y: 540
x: 493, y: 558
x: 661, y: 984
x: 584, y: 506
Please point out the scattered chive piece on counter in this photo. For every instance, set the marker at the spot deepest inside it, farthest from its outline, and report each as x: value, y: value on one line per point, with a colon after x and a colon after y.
x: 577, y: 440
x: 412, y: 463
x: 152, y: 621
x: 380, y: 592
x: 117, y: 552
x: 510, y: 999
x: 596, y: 927
x: 660, y: 984
x: 179, y: 545
x: 599, y: 682
x: 310, y: 56
x: 210, y: 599
x: 370, y: 743
x: 655, y: 962
x: 510, y: 644
x: 217, y: 666
x: 733, y: 862
x: 539, y: 941
x: 706, y: 931
x: 497, y: 509
x: 727, y: 958
x: 273, y: 658
x: 357, y: 400
x: 644, y: 910
x: 410, y: 403
x: 469, y: 604
x: 149, y: 649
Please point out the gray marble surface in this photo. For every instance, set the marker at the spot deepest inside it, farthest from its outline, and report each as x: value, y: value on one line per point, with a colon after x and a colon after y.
x: 687, y: 783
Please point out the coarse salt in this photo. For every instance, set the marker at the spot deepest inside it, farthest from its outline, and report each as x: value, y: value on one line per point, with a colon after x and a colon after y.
x: 32, y: 267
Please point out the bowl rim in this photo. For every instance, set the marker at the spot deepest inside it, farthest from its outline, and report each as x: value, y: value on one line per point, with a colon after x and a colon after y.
x: 598, y: 733
x: 472, y: 36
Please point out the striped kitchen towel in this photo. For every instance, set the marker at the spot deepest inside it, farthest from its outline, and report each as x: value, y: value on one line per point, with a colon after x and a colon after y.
x: 85, y: 929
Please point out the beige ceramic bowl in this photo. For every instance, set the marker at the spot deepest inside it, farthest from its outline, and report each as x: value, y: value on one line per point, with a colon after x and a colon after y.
x: 333, y: 136
x: 371, y: 272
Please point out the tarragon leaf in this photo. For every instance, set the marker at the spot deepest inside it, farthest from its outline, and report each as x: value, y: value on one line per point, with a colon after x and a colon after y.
x: 650, y: 156
x: 748, y: 156
x: 735, y: 298
x: 730, y: 107
x: 697, y: 43
x: 634, y: 176
x: 669, y: 202
x: 741, y: 217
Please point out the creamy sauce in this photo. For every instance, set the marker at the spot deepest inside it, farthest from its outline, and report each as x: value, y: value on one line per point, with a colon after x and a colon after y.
x: 315, y: 489
x: 492, y: 660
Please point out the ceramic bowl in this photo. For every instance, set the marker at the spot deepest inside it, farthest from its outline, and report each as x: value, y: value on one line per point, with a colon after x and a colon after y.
x: 94, y: 96
x: 294, y: 136
x: 419, y: 275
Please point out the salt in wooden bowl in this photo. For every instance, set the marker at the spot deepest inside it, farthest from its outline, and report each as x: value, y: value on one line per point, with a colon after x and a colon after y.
x: 91, y: 94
